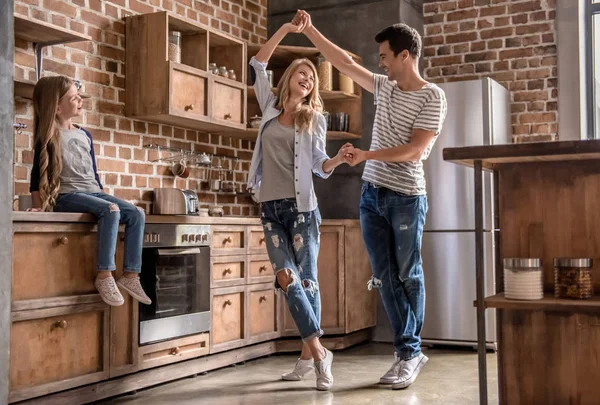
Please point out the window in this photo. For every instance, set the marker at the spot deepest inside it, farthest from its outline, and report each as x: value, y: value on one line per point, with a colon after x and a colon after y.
x: 593, y: 67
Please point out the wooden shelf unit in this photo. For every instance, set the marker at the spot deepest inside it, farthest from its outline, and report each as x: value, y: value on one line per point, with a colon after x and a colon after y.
x: 334, y: 100
x: 546, y: 203
x: 183, y: 94
x: 41, y: 34
x: 548, y: 303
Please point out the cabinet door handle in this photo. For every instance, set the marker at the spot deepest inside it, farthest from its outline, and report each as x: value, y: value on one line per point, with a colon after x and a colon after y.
x: 262, y: 268
x: 189, y: 107
x: 227, y: 240
x: 228, y: 302
x: 227, y: 271
x: 227, y: 116
x: 175, y: 351
x: 261, y: 241
x: 63, y: 240
x: 61, y: 324
x: 262, y: 298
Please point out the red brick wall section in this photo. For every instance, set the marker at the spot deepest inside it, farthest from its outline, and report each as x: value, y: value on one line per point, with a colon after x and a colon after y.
x: 123, y: 163
x: 511, y: 41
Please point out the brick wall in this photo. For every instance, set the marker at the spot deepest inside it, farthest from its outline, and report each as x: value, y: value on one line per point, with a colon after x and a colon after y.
x: 124, y: 165
x: 511, y: 41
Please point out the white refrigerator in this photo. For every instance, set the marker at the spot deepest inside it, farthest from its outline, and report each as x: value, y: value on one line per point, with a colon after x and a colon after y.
x: 478, y: 114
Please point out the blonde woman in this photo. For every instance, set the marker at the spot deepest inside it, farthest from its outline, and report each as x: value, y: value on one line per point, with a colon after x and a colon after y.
x: 64, y: 178
x: 291, y: 147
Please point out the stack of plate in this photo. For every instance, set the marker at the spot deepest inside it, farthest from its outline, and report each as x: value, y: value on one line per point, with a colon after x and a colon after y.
x: 523, y: 279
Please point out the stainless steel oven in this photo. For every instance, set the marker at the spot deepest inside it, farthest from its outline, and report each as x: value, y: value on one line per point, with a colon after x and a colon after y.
x: 176, y: 276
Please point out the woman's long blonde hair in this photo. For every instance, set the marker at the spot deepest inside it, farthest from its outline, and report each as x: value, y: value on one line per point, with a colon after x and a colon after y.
x: 312, y: 103
x: 46, y: 135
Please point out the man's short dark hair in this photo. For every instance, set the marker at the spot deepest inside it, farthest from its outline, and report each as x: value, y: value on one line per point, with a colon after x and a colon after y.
x: 401, y: 37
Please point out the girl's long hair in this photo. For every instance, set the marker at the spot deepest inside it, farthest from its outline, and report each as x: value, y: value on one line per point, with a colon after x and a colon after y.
x: 311, y: 104
x: 46, y: 135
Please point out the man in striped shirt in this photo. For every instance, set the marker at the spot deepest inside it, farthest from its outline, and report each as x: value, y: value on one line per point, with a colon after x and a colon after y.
x: 408, y: 118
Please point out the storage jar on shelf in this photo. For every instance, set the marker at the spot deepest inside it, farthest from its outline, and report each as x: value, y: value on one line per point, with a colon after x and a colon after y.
x: 523, y: 279
x: 573, y: 278
x: 175, y: 46
x: 324, y: 71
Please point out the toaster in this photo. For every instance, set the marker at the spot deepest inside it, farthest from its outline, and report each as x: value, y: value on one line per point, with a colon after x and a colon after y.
x: 173, y: 201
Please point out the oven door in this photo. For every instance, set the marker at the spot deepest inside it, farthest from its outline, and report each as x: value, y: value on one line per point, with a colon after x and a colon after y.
x: 177, y: 280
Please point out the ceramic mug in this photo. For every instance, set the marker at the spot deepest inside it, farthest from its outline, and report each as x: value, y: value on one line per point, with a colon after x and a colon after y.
x: 24, y: 202
x: 181, y: 170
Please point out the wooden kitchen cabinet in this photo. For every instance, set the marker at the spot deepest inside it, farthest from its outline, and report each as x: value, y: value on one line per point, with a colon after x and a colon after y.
x: 228, y: 313
x: 228, y: 240
x: 67, y: 345
x: 228, y: 271
x: 344, y: 270
x: 174, y: 350
x: 54, y: 349
x: 71, y: 248
x: 260, y: 269
x: 183, y: 93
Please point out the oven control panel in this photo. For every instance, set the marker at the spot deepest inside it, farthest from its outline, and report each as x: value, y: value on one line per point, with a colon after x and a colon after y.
x: 174, y: 235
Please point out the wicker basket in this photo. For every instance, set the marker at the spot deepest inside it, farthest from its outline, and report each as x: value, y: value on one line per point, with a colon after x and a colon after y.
x: 573, y: 278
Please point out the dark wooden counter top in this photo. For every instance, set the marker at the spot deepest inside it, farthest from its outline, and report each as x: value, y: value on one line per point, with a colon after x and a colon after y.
x: 493, y: 156
x: 59, y: 217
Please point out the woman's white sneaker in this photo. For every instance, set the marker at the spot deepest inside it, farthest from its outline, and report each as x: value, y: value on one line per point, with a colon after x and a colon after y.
x: 323, y: 371
x: 301, y: 369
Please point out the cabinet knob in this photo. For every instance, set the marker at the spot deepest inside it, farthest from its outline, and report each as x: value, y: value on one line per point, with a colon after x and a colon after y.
x: 189, y: 107
x: 63, y: 240
x: 227, y: 271
x: 261, y: 241
x: 262, y: 298
x: 61, y: 324
x: 227, y: 116
x: 228, y: 302
x: 262, y: 268
x: 175, y: 351
x: 227, y: 240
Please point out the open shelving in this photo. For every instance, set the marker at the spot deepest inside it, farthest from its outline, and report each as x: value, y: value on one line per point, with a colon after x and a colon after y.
x: 41, y: 34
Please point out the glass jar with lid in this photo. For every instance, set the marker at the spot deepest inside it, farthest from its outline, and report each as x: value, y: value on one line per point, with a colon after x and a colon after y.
x: 175, y: 46
x: 212, y: 68
x: 573, y: 278
x: 231, y: 74
x: 223, y: 71
x: 523, y: 278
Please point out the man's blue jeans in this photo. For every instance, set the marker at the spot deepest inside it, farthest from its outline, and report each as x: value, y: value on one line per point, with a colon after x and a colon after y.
x: 392, y: 227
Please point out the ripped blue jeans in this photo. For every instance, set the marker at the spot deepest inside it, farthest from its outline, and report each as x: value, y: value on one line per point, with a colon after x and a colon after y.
x: 293, y: 245
x: 392, y: 227
x: 110, y: 211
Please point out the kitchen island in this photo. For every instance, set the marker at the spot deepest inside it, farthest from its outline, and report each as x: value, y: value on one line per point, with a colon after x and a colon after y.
x: 547, y: 205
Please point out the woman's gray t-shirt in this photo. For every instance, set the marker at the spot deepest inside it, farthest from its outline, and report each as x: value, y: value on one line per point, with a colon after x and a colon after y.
x: 278, y: 162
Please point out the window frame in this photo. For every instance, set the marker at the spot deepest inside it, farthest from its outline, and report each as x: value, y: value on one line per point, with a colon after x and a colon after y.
x: 591, y: 9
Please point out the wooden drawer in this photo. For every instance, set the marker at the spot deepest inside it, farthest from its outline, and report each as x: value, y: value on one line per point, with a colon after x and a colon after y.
x: 228, y: 271
x: 260, y: 269
x: 256, y: 240
x: 262, y: 311
x: 54, y: 264
x: 59, y: 348
x: 173, y: 351
x: 228, y: 103
x: 188, y: 92
x: 228, y: 240
x: 228, y: 318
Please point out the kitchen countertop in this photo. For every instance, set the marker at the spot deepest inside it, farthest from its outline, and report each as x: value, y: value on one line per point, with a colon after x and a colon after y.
x: 60, y: 217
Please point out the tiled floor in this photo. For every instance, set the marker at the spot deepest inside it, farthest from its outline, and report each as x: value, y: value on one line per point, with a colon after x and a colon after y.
x: 449, y: 378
